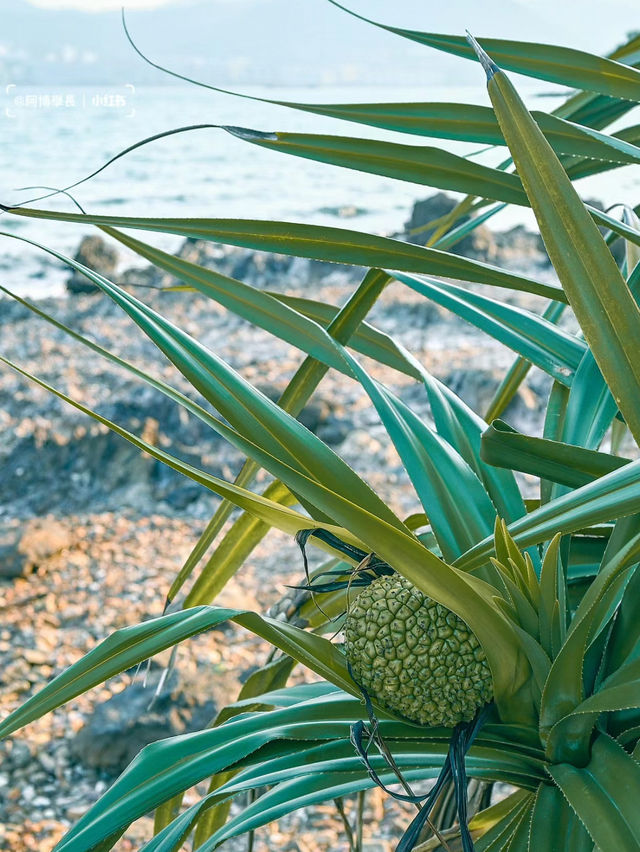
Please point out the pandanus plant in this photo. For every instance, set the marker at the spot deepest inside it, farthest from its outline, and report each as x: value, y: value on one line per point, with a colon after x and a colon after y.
x: 487, y: 637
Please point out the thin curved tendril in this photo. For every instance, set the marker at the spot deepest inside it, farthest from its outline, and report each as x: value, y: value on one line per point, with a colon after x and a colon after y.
x: 54, y: 191
x: 109, y: 162
x: 173, y: 131
x: 184, y: 77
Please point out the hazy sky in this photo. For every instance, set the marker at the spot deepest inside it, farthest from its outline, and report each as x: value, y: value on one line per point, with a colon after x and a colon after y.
x: 589, y: 23
x: 102, y: 5
x: 600, y: 11
x: 56, y: 41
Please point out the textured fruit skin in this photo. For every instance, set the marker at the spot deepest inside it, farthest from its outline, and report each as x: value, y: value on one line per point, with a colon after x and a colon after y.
x: 415, y: 656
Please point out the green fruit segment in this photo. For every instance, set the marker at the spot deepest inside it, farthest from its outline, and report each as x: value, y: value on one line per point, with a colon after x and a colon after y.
x: 414, y: 656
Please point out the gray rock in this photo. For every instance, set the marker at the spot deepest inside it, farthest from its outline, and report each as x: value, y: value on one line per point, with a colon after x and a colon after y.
x: 259, y: 268
x: 315, y: 413
x: 426, y: 211
x: 334, y: 430
x: 520, y: 247
x: 12, y: 562
x: 139, y: 276
x: 183, y: 495
x: 121, y: 726
x: 26, y: 548
x: 475, y: 387
x: 320, y: 415
x: 400, y: 317
x: 95, y: 253
x: 96, y: 467
x: 478, y: 244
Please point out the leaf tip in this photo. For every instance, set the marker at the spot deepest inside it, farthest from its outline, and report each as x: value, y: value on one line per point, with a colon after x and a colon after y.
x: 249, y: 134
x: 484, y: 59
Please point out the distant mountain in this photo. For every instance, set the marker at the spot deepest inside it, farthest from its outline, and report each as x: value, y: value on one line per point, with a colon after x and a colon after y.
x: 275, y: 42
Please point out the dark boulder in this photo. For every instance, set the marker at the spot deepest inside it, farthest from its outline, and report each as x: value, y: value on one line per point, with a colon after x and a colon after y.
x: 321, y: 415
x: 95, y: 467
x: 478, y: 244
x: 95, y: 253
x: 518, y: 247
x: 128, y: 721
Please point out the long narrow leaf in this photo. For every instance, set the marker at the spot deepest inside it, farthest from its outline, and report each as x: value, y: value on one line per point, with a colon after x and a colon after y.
x: 420, y: 165
x: 614, y: 495
x: 565, y: 463
x: 563, y: 65
x: 604, y: 306
x: 423, y: 165
x: 131, y: 645
x: 337, y: 245
x: 550, y: 348
x: 248, y: 531
x: 518, y: 371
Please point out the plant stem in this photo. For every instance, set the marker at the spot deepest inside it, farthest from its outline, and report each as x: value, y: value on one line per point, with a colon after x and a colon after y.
x: 347, y: 825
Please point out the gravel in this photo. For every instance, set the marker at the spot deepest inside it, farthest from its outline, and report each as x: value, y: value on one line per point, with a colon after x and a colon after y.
x: 122, y: 525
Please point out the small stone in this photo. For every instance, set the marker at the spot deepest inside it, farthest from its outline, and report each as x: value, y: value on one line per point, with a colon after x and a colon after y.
x: 47, y: 762
x: 20, y: 754
x: 35, y: 657
x: 76, y: 811
x: 28, y: 793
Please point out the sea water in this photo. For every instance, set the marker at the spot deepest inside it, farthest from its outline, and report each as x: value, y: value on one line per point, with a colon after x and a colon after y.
x: 54, y: 137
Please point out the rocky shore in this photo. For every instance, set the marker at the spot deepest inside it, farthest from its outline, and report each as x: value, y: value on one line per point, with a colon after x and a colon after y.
x: 92, y: 532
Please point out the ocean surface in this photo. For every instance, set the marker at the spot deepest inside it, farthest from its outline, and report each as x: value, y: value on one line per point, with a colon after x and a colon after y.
x: 54, y: 137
